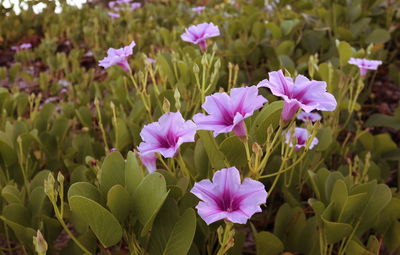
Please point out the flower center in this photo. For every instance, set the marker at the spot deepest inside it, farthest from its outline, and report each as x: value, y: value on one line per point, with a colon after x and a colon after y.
x: 169, y: 140
x: 228, y: 203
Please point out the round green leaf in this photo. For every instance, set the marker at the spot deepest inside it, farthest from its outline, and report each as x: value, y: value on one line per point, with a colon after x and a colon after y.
x: 103, y: 224
x: 118, y: 200
x: 148, y: 199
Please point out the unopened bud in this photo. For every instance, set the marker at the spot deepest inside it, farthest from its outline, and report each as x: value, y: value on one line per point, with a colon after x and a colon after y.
x: 196, y: 68
x: 256, y: 148
x: 177, y: 97
x: 166, y: 105
x: 60, y: 178
x: 49, y: 186
x: 40, y: 243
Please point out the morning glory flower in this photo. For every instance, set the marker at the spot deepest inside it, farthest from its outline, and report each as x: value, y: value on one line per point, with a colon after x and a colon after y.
x: 226, y: 113
x: 149, y: 161
x: 198, y: 34
x: 23, y: 46
x: 301, y: 135
x: 199, y: 9
x: 113, y: 15
x: 134, y: 6
x: 302, y: 93
x: 227, y: 198
x: 309, y: 116
x: 365, y: 64
x: 166, y: 135
x: 118, y: 57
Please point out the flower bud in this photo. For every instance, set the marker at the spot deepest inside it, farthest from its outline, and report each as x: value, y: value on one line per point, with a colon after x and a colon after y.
x: 40, y: 243
x: 196, y: 68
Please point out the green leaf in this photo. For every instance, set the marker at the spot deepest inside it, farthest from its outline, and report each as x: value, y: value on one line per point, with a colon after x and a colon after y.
x: 215, y: 156
x: 345, y: 52
x: 285, y: 48
x: 112, y: 171
x: 338, y: 198
x: 17, y: 218
x: 335, y: 231
x: 163, y: 60
x: 201, y: 161
x: 118, y: 200
x: 41, y: 121
x: 324, y: 136
x: 234, y: 151
x: 274, y: 29
x: 182, y: 234
x: 12, y: 195
x: 269, y: 116
x: 6, y: 150
x: 163, y: 225
x: 379, y: 35
x: 133, y: 173
x: 288, y: 25
x: 148, y: 199
x: 84, y: 189
x: 355, y: 248
x: 354, y: 206
x: 103, y: 224
x: 39, y: 203
x: 268, y: 244
x: 382, y: 120
x: 383, y: 143
x: 39, y: 178
x: 122, y: 136
x: 287, y: 63
x: 84, y: 116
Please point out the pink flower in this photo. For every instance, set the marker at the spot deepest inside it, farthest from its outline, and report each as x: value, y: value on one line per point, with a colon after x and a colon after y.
x: 365, y: 64
x: 303, y: 93
x: 149, y: 161
x: 199, y: 9
x: 301, y: 135
x: 118, y: 57
x: 198, y: 34
x: 166, y: 135
x: 134, y: 6
x: 113, y: 15
x: 23, y: 46
x: 311, y: 116
x: 226, y: 198
x: 112, y: 5
x: 227, y: 113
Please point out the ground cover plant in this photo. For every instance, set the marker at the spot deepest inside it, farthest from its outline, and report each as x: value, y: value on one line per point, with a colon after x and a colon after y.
x: 200, y: 127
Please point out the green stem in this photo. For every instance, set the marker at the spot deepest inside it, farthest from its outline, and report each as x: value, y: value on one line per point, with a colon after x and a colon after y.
x: 65, y: 227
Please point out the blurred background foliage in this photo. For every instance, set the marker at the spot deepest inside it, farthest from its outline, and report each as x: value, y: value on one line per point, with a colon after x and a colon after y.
x: 343, y: 199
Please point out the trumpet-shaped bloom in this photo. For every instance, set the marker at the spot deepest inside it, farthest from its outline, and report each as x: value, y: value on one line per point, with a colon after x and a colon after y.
x: 365, y: 64
x: 226, y: 198
x: 149, y: 161
x: 227, y: 113
x: 198, y: 34
x: 118, y: 57
x: 302, y: 93
x: 309, y: 116
x: 166, y: 135
x: 301, y: 135
x: 199, y: 9
x: 23, y: 46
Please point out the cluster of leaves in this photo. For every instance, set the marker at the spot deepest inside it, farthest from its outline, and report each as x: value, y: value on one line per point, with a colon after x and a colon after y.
x: 61, y: 114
